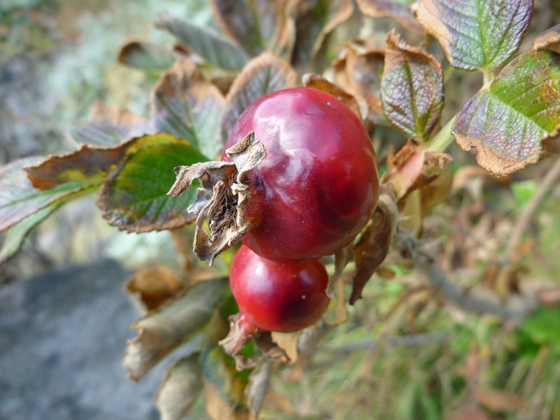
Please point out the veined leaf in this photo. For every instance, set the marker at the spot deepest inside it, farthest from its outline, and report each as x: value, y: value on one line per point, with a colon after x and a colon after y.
x: 214, y: 47
x: 19, y: 199
x: 166, y: 328
x: 264, y: 74
x: 411, y: 88
x: 397, y: 9
x: 189, y: 107
x: 134, y: 196
x: 180, y: 388
x: 146, y: 56
x: 476, y: 34
x: 514, y: 122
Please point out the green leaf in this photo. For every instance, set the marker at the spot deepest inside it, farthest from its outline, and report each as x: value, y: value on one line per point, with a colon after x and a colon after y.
x: 19, y: 199
x: 264, y: 74
x: 224, y: 387
x: 171, y: 325
x: 134, y: 196
x: 146, y: 56
x: 513, y: 122
x: 210, y: 45
x: 15, y: 236
x: 180, y: 388
x: 189, y: 107
x: 411, y: 88
x: 543, y: 326
x: 476, y: 34
x: 109, y: 125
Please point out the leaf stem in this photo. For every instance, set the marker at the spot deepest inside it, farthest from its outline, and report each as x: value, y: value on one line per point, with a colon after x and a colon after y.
x: 487, y: 79
x: 443, y: 139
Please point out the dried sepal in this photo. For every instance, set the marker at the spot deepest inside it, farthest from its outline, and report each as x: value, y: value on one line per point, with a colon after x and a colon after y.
x: 414, y: 167
x: 372, y: 248
x: 242, y: 329
x: 223, y: 197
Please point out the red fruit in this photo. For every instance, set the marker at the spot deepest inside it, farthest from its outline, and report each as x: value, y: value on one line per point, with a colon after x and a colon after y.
x: 318, y: 185
x: 276, y: 296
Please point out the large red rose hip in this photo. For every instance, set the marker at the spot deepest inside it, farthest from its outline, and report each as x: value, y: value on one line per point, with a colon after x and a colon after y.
x: 276, y: 296
x: 318, y: 185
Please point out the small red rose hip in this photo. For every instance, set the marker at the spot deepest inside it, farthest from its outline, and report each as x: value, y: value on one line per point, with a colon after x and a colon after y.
x: 276, y: 296
x: 318, y: 185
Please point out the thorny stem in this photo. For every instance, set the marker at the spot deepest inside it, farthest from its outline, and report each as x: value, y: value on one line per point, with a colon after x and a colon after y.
x: 443, y: 139
x: 523, y: 221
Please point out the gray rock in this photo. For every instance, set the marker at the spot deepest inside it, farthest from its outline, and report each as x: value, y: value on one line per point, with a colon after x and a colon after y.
x: 62, y: 338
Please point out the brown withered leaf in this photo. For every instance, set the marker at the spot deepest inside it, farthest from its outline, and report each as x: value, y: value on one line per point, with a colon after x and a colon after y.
x: 437, y: 191
x: 549, y: 39
x: 109, y: 125
x: 88, y: 164
x: 319, y: 82
x: 184, y: 238
x: 411, y: 88
x: 265, y: 74
x: 414, y: 167
x: 360, y: 72
x: 189, y: 107
x: 223, y: 198
x: 155, y: 286
x: 258, y: 387
x: 224, y: 388
x: 257, y: 25
x: 499, y: 399
x: 162, y: 330
x: 400, y: 10
x: 373, y: 246
x: 179, y: 388
x: 314, y: 21
x: 288, y: 342
x: 476, y: 35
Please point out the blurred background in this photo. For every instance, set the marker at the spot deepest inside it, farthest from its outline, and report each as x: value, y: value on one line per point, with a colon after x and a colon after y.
x: 404, y: 354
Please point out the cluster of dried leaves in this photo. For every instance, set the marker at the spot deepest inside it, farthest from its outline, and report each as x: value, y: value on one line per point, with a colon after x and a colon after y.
x: 209, y: 78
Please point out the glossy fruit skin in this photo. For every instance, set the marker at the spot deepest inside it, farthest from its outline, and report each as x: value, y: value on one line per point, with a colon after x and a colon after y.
x: 276, y: 296
x: 318, y: 185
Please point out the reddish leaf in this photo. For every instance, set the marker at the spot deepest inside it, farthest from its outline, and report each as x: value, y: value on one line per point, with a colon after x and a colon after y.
x: 319, y: 82
x: 411, y: 88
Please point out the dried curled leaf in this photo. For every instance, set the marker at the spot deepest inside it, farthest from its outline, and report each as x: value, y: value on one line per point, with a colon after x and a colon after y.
x: 549, y: 39
x: 109, y: 125
x: 514, y: 122
x: 373, y: 246
x: 414, y: 167
x: 319, y: 82
x: 154, y: 286
x: 264, y: 74
x: 398, y: 9
x: 189, y: 107
x: 476, y: 35
x: 359, y: 73
x: 145, y: 55
x: 411, y: 88
x: 163, y: 330
x: 258, y: 387
x: 179, y: 388
x: 223, y: 198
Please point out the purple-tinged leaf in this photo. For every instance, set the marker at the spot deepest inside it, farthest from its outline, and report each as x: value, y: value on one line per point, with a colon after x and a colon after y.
x: 397, y: 9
